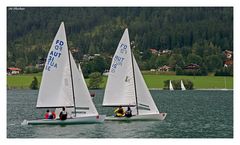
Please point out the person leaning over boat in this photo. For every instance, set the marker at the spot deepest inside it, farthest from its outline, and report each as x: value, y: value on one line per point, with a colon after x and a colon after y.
x: 128, y: 113
x: 50, y: 115
x: 119, y: 112
x: 63, y: 114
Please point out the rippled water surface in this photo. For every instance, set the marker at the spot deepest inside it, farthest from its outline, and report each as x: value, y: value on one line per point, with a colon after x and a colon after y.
x: 191, y: 114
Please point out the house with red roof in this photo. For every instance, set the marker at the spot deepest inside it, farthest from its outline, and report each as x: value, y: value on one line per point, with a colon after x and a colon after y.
x: 164, y: 68
x: 153, y: 50
x: 192, y: 67
x: 13, y: 70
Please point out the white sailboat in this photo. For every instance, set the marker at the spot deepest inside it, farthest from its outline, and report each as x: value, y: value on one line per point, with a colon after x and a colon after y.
x: 170, y: 86
x: 126, y: 86
x: 182, y: 86
x: 63, y: 85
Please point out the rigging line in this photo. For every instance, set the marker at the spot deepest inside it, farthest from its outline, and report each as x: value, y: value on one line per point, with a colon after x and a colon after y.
x: 135, y: 88
x: 72, y: 82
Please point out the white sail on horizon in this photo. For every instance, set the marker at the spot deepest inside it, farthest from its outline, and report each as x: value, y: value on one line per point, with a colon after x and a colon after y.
x: 170, y: 86
x: 182, y: 86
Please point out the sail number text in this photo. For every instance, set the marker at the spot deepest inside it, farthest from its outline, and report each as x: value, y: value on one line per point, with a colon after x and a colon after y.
x: 54, y: 55
x: 123, y: 48
x: 118, y: 60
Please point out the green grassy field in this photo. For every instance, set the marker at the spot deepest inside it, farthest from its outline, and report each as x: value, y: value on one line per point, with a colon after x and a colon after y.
x: 152, y: 80
x: 22, y: 81
x: 200, y: 82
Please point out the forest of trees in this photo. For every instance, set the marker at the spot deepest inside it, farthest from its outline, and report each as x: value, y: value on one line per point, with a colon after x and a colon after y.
x: 193, y: 34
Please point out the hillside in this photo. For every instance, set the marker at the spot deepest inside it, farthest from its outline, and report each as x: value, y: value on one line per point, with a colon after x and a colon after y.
x: 194, y: 35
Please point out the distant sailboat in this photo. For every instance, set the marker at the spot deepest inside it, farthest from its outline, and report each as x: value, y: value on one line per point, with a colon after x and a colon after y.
x: 225, y: 85
x: 126, y: 86
x: 170, y: 85
x: 63, y: 85
x: 182, y: 86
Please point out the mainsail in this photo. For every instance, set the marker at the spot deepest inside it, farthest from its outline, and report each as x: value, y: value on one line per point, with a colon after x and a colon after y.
x: 56, y: 89
x: 120, y: 84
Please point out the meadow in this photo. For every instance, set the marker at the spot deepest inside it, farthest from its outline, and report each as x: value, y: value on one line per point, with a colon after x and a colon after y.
x: 154, y: 81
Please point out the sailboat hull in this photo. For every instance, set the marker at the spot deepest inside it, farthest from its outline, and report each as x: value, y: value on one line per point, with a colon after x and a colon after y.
x: 145, y: 117
x: 77, y: 120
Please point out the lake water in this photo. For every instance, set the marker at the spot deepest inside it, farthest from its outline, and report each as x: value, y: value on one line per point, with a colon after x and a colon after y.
x: 191, y: 114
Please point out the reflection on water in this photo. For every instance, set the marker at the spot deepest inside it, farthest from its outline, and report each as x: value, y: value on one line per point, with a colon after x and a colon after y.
x: 191, y: 114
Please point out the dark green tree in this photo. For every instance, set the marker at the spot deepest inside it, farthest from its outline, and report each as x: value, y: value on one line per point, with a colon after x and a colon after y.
x: 34, y: 84
x: 161, y: 60
x: 202, y: 31
x: 99, y: 64
x: 95, y: 80
x: 176, y: 60
x: 193, y: 58
x: 214, y: 62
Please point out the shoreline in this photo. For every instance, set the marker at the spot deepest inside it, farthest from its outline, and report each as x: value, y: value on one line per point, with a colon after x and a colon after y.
x: 198, y: 89
x: 153, y: 82
x: 151, y: 89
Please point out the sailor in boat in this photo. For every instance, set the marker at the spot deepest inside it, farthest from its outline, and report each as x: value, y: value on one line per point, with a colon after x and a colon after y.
x: 128, y: 113
x: 119, y: 112
x: 63, y: 114
x: 50, y: 115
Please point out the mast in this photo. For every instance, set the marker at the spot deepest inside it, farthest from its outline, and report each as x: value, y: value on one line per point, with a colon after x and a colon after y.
x: 134, y: 81
x: 72, y: 82
x: 225, y: 82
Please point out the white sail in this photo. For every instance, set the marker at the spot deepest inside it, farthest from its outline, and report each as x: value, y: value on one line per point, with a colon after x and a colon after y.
x: 170, y: 85
x: 56, y: 87
x: 182, y: 86
x: 120, y: 85
x: 84, y: 104
x: 146, y: 103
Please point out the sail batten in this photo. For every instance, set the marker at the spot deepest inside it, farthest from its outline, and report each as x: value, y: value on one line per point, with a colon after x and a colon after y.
x: 57, y: 107
x: 122, y: 105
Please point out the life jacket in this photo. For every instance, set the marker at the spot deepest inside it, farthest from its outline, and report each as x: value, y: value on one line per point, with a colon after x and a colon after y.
x: 46, y: 116
x: 54, y: 115
x: 128, y: 113
x: 63, y: 115
x: 119, y: 115
x: 119, y: 112
x: 50, y: 115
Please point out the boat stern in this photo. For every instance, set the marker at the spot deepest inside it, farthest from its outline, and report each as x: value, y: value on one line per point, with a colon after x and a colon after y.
x: 100, y: 118
x: 162, y: 115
